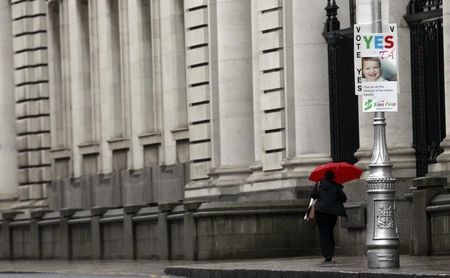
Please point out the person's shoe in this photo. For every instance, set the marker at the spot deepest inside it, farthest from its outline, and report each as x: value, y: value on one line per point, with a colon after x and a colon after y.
x: 328, y: 259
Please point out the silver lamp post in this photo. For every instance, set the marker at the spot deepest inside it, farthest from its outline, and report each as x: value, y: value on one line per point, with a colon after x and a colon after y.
x: 382, y: 235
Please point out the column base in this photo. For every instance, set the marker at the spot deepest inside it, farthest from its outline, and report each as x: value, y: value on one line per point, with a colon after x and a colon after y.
x: 301, y: 165
x: 224, y: 184
x: 289, y: 183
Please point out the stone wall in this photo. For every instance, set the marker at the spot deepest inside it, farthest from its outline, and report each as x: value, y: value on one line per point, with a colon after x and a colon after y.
x: 120, y: 188
x: 221, y: 230
x: 439, y: 211
x: 167, y: 231
x: 29, y: 26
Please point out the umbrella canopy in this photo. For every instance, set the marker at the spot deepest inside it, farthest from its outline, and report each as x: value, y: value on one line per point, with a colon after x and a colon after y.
x: 343, y: 172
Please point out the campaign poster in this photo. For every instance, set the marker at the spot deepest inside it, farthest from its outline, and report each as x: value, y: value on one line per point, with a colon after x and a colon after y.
x: 380, y: 102
x: 376, y: 67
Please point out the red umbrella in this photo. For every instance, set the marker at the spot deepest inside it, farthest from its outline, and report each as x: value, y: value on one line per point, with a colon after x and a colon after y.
x: 343, y: 172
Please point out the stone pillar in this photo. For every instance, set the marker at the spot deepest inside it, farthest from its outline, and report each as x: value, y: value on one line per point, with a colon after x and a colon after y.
x: 6, y: 246
x: 310, y: 103
x: 8, y: 157
x: 443, y: 159
x: 169, y: 71
x: 399, y: 124
x: 190, y: 231
x: 96, y: 233
x: 129, y: 238
x: 59, y: 90
x: 64, y: 234
x: 35, y: 233
x: 423, y: 191
x: 77, y: 20
x: 108, y: 76
x: 163, y: 231
x: 137, y: 83
x: 231, y: 66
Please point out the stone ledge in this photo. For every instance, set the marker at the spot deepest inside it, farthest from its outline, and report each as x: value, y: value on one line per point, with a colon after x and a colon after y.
x: 89, y: 148
x: 118, y: 144
x: 429, y: 182
x: 61, y: 153
x: 180, y: 133
x: 153, y: 138
x: 442, y: 199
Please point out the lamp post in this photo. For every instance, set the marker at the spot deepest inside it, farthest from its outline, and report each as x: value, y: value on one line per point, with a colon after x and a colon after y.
x: 382, y: 236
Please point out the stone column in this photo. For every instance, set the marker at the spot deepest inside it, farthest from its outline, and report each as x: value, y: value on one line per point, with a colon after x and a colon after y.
x: 399, y: 124
x: 311, y: 130
x: 76, y: 18
x: 170, y: 76
x: 163, y: 231
x: 190, y: 231
x: 231, y: 64
x: 6, y: 246
x: 136, y: 49
x: 109, y: 82
x: 35, y: 233
x: 443, y: 159
x: 59, y: 89
x: 97, y: 233
x: 65, y: 247
x: 8, y: 156
x: 129, y: 238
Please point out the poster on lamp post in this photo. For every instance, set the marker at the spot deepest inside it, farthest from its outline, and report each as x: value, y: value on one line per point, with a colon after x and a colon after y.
x: 376, y: 68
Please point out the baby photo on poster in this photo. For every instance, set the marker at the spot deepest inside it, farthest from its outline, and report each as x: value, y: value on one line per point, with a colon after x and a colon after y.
x: 376, y: 61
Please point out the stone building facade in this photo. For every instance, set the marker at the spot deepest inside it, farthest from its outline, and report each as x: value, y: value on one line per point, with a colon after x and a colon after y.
x: 188, y: 128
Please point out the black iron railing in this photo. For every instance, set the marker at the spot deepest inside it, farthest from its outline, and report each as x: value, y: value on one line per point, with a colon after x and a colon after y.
x: 427, y: 80
x: 344, y: 124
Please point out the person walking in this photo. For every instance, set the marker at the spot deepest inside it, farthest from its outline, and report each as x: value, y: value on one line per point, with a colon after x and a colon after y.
x: 329, y: 205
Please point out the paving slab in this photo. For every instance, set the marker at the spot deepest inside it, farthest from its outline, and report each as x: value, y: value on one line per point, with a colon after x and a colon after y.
x: 314, y: 267
x: 86, y: 268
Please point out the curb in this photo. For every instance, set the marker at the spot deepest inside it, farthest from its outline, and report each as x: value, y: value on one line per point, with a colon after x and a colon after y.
x: 268, y: 273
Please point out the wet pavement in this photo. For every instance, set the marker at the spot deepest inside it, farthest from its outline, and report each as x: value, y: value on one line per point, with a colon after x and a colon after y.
x: 85, y: 269
x: 315, y: 267
x: 66, y: 275
x: 308, y: 267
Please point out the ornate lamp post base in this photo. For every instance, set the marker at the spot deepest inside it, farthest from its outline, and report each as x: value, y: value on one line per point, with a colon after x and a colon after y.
x: 382, y: 235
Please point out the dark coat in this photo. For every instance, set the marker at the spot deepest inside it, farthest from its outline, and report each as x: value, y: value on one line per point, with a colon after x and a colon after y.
x: 330, y: 198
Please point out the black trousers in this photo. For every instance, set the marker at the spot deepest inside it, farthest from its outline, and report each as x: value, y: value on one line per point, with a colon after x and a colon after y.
x: 326, y: 223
